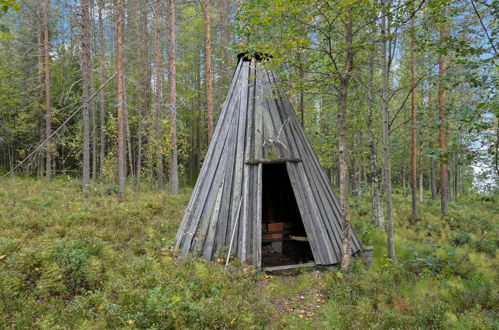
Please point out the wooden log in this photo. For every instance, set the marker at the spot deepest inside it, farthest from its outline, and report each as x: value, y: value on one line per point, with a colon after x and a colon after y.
x: 272, y: 161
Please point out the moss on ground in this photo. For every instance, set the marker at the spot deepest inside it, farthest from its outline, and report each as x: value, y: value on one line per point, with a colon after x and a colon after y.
x: 75, y: 260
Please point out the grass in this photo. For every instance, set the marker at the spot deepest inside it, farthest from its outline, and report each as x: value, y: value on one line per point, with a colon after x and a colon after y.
x: 74, y: 260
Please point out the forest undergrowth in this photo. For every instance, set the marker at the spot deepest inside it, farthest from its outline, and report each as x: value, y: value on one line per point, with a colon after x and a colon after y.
x: 81, y: 260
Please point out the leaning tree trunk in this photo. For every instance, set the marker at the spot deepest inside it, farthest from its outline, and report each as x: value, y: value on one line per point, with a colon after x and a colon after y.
x: 85, y: 67
x: 346, y: 245
x: 120, y: 70
x: 386, y: 140
x: 48, y: 106
x: 208, y: 67
x: 444, y: 195
x: 172, y: 96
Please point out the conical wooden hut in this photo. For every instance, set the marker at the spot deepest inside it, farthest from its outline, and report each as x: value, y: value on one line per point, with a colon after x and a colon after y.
x: 262, y: 195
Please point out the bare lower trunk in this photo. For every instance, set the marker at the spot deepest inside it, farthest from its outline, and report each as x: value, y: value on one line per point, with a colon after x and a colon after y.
x: 421, y: 187
x: 92, y: 86
x: 172, y: 96
x: 302, y: 93
x: 121, y: 101
x: 240, y: 41
x: 374, y: 171
x: 442, y: 131
x: 346, y: 245
x: 39, y: 58
x: 414, y: 172
x: 404, y: 181
x: 102, y: 109
x: 48, y: 106
x: 144, y: 78
x: 386, y: 141
x: 85, y: 68
x: 208, y: 67
x: 159, y: 96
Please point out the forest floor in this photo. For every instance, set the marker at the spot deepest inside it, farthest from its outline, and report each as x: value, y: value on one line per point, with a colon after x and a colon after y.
x: 75, y: 260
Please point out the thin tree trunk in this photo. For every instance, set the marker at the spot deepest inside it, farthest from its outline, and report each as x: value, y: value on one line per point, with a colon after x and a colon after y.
x: 128, y: 137
x: 159, y: 96
x: 39, y: 58
x: 92, y: 86
x: 208, y: 67
x: 172, y: 96
x: 433, y: 183
x: 240, y: 41
x: 144, y: 78
x: 414, y: 172
x: 85, y: 64
x: 404, y: 181
x: 374, y: 172
x: 102, y: 109
x: 421, y: 187
x: 386, y: 139
x: 302, y: 93
x: 442, y: 131
x: 48, y: 106
x: 225, y: 13
x: 121, y: 100
x: 346, y: 245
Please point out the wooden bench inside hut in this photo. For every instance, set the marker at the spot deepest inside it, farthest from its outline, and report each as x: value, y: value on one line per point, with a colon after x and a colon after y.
x: 284, y: 240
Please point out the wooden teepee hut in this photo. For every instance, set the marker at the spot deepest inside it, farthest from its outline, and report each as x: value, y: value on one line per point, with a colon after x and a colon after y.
x: 261, y: 194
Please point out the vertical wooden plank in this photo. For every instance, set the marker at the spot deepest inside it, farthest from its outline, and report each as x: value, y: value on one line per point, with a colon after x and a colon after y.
x: 257, y: 232
x: 208, y: 244
x: 204, y: 168
x: 228, y: 197
x: 239, y: 162
x: 247, y: 170
x: 204, y: 196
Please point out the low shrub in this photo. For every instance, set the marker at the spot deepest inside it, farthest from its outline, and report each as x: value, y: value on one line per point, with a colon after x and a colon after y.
x: 460, y: 238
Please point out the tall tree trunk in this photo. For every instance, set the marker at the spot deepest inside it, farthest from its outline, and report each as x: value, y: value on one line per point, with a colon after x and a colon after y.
x: 225, y: 13
x: 421, y: 187
x: 144, y: 78
x: 386, y: 138
x: 208, y: 66
x: 48, y: 106
x: 102, y: 109
x: 346, y: 245
x: 92, y: 87
x: 414, y: 172
x: 39, y: 58
x: 444, y: 196
x: 374, y: 171
x: 240, y: 41
x: 172, y: 96
x: 159, y: 95
x: 120, y: 69
x: 301, y: 73
x: 85, y: 67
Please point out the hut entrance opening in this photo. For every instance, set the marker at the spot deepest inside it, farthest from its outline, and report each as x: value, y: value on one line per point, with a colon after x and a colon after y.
x: 284, y: 239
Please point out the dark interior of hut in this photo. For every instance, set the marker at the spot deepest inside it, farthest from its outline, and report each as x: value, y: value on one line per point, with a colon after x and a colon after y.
x: 284, y: 239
